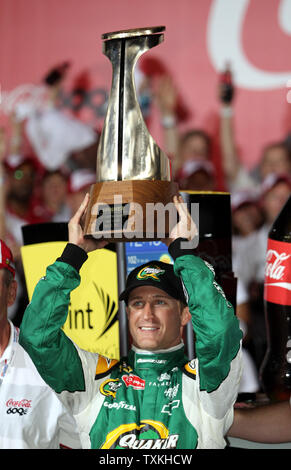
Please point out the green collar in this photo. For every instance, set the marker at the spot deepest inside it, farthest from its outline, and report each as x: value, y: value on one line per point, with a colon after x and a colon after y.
x: 157, y: 361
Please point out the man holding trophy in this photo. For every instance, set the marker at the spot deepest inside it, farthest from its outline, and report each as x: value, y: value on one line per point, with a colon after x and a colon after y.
x: 154, y: 398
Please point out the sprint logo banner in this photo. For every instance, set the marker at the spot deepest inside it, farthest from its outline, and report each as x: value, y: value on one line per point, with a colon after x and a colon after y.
x: 92, y: 313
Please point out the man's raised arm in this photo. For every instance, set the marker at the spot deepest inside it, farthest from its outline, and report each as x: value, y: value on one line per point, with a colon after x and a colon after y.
x: 41, y: 334
x: 217, y: 333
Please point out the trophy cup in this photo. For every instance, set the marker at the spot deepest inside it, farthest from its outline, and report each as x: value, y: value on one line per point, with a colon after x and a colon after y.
x: 132, y: 172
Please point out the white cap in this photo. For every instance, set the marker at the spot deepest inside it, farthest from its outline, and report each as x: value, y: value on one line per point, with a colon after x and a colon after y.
x: 247, y: 196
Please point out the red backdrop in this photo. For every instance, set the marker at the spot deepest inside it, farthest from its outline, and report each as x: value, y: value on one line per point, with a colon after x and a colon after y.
x: 200, y: 35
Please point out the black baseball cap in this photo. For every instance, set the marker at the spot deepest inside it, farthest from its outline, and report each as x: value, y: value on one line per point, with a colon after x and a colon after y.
x: 156, y: 274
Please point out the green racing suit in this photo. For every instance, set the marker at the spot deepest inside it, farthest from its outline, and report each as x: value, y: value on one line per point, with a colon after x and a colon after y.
x: 148, y: 400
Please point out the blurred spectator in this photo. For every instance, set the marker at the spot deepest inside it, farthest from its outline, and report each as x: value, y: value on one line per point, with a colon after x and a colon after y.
x: 190, y: 152
x: 21, y: 207
x: 151, y: 73
x: 198, y: 175
x: 249, y: 260
x: 52, y: 204
x: 250, y: 264
x: 275, y: 158
x: 80, y: 182
x: 20, y: 172
x: 246, y: 213
x: 253, y: 218
x: 84, y: 158
x: 275, y: 190
x: 246, y: 219
x: 54, y: 135
x: 166, y: 97
x: 195, y: 144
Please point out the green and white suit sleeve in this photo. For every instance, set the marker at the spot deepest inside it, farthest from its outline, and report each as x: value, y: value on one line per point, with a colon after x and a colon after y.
x: 217, y: 333
x: 53, y: 353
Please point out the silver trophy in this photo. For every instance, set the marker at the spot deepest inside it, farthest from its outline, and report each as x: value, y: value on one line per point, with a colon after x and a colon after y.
x: 133, y: 173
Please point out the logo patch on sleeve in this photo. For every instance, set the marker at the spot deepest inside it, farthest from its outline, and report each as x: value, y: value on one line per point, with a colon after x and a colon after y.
x: 150, y: 272
x: 190, y: 369
x: 104, y: 366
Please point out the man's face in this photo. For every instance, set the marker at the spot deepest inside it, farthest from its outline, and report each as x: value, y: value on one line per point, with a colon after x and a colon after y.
x: 155, y: 319
x: 22, y: 181
x: 246, y: 218
x: 54, y: 190
x: 275, y: 199
x: 275, y: 160
x: 7, y: 293
x: 194, y: 148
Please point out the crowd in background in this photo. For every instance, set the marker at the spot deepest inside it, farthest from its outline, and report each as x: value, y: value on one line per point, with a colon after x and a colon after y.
x: 48, y: 162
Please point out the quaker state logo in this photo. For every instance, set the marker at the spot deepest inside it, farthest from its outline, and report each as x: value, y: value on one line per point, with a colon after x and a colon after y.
x: 149, y: 434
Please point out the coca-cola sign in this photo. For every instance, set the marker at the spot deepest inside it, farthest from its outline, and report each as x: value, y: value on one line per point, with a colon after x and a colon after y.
x: 20, y: 403
x: 278, y: 273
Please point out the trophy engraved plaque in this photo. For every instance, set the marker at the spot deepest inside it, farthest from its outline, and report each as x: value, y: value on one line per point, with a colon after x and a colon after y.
x: 133, y: 175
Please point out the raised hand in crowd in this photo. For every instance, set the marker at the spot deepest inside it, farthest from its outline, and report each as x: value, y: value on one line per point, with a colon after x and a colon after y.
x: 166, y: 98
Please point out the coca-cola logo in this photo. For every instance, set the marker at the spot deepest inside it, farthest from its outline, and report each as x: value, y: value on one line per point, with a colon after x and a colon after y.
x: 275, y: 267
x: 134, y: 381
x: 19, y: 407
x: 21, y: 403
x: 278, y: 273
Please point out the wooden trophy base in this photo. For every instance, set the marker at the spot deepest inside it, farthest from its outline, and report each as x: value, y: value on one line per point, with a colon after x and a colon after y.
x: 133, y: 210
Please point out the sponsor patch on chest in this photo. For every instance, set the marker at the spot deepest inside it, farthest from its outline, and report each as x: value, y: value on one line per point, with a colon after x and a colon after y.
x: 149, y: 434
x: 134, y: 381
x: 18, y: 407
